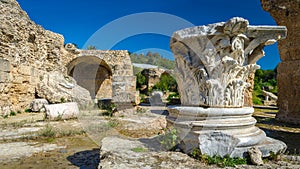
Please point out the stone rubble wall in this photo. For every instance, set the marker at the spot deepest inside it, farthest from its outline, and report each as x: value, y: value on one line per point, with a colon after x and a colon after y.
x: 287, y: 13
x: 123, y: 80
x: 28, y: 52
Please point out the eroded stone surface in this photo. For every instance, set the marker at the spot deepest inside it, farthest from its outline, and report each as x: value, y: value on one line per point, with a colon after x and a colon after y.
x: 215, y: 61
x: 62, y: 111
x: 57, y: 88
x: 287, y: 13
x: 28, y: 52
x: 215, y: 65
x: 37, y: 105
x: 255, y: 156
x: 118, y: 153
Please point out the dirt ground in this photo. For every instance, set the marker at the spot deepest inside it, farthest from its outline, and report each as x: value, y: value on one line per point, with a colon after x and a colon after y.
x: 74, y: 148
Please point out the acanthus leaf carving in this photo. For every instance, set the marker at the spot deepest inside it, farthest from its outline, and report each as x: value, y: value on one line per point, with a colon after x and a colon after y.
x: 213, y: 65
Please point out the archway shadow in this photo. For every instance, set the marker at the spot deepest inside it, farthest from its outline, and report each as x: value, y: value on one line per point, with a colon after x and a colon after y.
x: 88, y: 159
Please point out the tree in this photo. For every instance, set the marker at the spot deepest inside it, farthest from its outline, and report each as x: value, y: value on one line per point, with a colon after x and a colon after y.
x: 90, y: 47
x: 140, y: 80
x: 166, y: 83
x: 264, y: 80
x: 153, y: 59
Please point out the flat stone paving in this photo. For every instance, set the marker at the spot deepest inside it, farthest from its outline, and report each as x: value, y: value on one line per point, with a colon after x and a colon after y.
x: 81, y: 152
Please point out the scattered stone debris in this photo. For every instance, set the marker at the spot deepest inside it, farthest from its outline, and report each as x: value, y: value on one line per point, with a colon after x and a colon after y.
x: 255, y: 156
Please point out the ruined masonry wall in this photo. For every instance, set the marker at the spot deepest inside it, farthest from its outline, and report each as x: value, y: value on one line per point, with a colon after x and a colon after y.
x: 26, y: 50
x: 287, y: 13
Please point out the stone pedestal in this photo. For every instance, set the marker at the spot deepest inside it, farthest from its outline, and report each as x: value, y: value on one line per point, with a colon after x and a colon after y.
x: 221, y: 131
x: 214, y: 63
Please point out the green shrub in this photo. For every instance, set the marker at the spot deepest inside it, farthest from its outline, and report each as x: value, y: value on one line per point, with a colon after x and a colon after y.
x: 166, y: 83
x: 48, y: 131
x: 140, y: 80
x: 226, y: 161
x: 12, y: 113
x: 109, y: 110
x: 173, y: 95
x: 170, y: 139
x: 62, y: 100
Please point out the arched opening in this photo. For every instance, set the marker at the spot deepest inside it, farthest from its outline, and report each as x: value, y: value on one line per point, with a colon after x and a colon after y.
x: 93, y: 74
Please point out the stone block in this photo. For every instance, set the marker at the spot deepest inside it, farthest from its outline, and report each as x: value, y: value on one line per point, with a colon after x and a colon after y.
x: 4, y: 65
x: 123, y: 97
x: 4, y: 77
x: 62, y: 111
x: 26, y: 70
x: 37, y: 105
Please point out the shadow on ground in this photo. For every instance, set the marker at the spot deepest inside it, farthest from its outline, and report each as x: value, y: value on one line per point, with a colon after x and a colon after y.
x: 88, y: 159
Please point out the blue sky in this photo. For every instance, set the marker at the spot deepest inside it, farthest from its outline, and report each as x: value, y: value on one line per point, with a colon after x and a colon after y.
x: 78, y: 20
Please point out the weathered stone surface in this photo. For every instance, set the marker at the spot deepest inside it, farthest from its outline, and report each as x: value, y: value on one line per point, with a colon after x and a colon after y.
x: 215, y: 61
x: 4, y: 65
x: 37, y: 105
x: 221, y: 131
x: 114, y: 70
x: 255, y: 156
x: 28, y: 52
x: 214, y: 66
x: 217, y: 143
x: 124, y: 89
x: 142, y: 124
x: 25, y: 48
x: 153, y: 76
x: 287, y: 13
x: 270, y: 98
x: 156, y: 98
x: 57, y: 88
x: 118, y: 153
x: 62, y: 111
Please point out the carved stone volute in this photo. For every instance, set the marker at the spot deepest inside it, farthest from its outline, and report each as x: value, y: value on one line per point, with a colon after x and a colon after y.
x: 214, y: 61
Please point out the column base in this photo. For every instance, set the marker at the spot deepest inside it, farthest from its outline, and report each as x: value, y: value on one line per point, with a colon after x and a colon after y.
x: 221, y: 131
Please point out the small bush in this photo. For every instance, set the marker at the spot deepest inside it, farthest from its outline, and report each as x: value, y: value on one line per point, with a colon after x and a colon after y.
x: 27, y: 110
x: 169, y: 140
x: 5, y: 116
x: 62, y: 100
x: 48, y: 132
x: 12, y: 113
x: 109, y: 110
x: 173, y: 95
x: 274, y: 156
x: 226, y: 161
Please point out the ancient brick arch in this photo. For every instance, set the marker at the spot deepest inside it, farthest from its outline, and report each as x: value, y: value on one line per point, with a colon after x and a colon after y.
x: 106, y: 74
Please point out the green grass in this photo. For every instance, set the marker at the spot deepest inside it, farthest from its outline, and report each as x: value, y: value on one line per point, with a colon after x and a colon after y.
x: 51, y: 132
x: 139, y: 150
x: 226, y: 161
x: 112, y: 124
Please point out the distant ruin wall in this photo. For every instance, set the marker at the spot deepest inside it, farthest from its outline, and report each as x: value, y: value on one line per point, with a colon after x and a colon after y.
x: 287, y: 13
